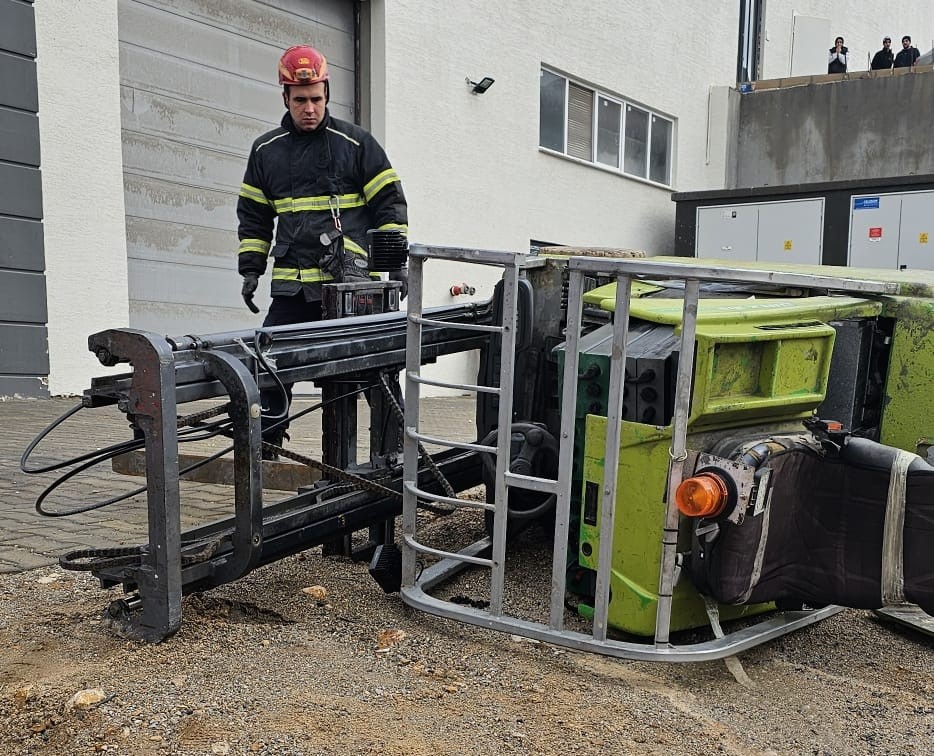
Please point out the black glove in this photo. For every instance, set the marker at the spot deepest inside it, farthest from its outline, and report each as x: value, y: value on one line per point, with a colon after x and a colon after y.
x: 338, y: 261
x: 401, y: 275
x: 250, y: 282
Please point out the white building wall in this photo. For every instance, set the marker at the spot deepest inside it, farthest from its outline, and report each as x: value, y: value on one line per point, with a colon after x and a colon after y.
x: 77, y: 70
x: 862, y: 24
x: 471, y: 165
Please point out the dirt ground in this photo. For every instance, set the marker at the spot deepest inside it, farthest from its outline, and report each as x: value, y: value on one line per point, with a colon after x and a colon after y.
x: 260, y: 666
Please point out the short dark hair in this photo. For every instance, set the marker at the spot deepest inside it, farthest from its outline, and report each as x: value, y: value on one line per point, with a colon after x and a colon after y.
x: 906, y: 37
x: 887, y: 39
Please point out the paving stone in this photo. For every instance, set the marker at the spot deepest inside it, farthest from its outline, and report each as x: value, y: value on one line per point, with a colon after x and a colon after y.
x: 26, y: 560
x: 125, y: 523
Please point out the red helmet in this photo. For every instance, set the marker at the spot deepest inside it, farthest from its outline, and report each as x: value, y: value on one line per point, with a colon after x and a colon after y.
x: 302, y: 65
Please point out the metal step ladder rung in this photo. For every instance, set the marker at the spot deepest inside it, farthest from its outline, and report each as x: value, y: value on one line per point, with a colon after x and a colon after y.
x: 531, y: 483
x: 459, y: 326
x: 438, y: 498
x: 500, y: 453
x: 472, y: 387
x: 449, y: 443
x: 420, y: 547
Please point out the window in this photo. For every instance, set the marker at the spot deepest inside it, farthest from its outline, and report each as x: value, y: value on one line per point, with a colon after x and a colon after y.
x: 608, y: 115
x: 580, y: 122
x: 637, y: 140
x: 600, y: 128
x: 551, y: 111
x: 659, y: 162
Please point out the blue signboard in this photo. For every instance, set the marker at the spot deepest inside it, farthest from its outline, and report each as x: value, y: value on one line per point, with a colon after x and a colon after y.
x: 866, y: 203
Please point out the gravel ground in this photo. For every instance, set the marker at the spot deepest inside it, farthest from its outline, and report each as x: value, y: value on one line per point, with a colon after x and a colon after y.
x: 260, y: 666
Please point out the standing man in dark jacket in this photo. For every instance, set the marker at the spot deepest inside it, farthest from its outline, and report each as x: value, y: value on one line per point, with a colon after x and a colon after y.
x: 907, y: 55
x: 322, y: 183
x: 882, y: 60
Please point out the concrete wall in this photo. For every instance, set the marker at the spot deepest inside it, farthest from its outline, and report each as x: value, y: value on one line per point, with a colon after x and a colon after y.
x: 82, y: 182
x: 862, y: 128
x: 862, y: 24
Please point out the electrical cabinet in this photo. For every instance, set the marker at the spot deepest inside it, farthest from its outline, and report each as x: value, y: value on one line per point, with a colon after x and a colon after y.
x: 782, y: 232
x: 894, y: 230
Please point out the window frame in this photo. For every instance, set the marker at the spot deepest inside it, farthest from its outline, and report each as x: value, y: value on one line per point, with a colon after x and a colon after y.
x: 624, y: 103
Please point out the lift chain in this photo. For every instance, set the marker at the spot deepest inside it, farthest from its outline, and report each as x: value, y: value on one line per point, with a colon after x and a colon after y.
x: 197, y: 417
x: 358, y: 482
x: 426, y: 457
x: 87, y: 560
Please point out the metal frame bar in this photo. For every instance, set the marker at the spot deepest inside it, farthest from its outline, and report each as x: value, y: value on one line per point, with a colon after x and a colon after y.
x: 677, y: 455
x: 149, y: 399
x: 169, y: 372
x: 639, y: 267
x: 614, y: 413
x: 507, y: 331
x: 719, y: 648
x: 414, y: 590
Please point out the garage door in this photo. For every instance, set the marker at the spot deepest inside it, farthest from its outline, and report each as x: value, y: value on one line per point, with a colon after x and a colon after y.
x: 198, y: 85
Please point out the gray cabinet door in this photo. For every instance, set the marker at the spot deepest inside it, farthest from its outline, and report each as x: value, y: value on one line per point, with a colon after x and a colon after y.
x: 791, y: 232
x: 874, y: 229
x: 727, y: 232
x: 916, y: 232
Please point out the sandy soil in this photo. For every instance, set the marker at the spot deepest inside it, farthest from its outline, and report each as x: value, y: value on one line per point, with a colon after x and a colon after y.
x: 260, y: 666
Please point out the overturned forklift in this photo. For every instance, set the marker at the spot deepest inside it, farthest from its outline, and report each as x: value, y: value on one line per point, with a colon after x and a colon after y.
x: 705, y: 444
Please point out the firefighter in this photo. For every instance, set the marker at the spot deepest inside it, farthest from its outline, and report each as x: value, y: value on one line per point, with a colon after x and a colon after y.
x: 323, y: 183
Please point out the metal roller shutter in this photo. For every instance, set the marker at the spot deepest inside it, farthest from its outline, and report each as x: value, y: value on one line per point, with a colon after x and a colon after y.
x: 198, y: 85
x: 24, y: 351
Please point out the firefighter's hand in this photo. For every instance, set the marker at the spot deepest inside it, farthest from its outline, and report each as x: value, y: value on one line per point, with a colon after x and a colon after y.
x: 401, y: 275
x: 250, y: 282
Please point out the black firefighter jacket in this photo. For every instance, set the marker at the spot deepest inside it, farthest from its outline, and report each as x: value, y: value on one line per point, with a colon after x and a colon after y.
x: 298, y: 177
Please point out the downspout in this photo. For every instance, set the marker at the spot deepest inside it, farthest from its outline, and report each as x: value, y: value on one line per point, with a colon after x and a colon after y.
x: 357, y: 62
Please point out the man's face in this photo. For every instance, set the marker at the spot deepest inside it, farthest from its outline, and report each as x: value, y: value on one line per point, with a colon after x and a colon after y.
x: 306, y: 105
x: 906, y: 43
x: 886, y: 42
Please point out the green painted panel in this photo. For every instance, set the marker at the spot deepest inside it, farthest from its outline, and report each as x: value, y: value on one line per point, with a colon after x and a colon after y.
x: 728, y: 313
x: 746, y: 372
x: 908, y: 406
x: 637, y: 534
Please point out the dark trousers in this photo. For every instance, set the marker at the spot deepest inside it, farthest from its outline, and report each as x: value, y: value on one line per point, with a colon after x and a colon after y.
x: 284, y: 311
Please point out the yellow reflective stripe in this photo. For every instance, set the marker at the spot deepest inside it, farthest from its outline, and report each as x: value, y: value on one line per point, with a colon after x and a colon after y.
x: 395, y: 227
x: 303, y: 204
x: 284, y: 274
x: 254, y: 245
x: 353, y: 246
x: 251, y: 192
x: 380, y: 180
x: 303, y: 275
